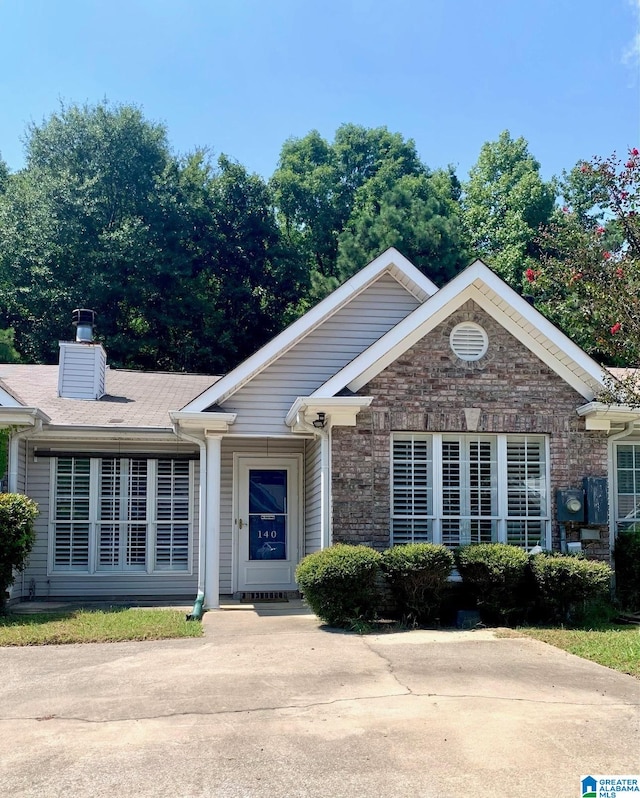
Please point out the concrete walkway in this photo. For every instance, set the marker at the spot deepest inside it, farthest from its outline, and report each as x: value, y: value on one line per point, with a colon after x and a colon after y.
x: 269, y: 704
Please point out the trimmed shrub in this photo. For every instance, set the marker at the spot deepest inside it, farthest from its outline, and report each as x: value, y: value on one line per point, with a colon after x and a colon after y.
x: 339, y: 583
x: 17, y: 536
x: 627, y: 559
x: 496, y: 575
x: 567, y: 585
x: 417, y: 574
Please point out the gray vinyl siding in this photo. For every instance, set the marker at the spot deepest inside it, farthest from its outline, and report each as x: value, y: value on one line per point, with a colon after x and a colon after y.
x: 262, y: 404
x: 102, y: 584
x: 249, y: 446
x: 22, y: 466
x: 313, y: 498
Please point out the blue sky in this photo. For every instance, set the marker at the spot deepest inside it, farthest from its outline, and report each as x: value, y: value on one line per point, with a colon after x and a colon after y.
x: 241, y: 76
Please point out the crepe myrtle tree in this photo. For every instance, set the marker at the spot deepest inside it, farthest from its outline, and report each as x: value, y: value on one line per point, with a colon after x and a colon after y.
x: 17, y: 535
x: 588, y: 279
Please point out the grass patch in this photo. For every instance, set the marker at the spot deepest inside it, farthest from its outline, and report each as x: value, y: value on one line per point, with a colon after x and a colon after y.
x: 95, y: 626
x: 616, y: 647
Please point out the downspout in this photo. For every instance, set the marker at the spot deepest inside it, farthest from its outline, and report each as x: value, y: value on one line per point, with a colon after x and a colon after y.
x: 628, y: 429
x: 14, y: 442
x: 197, y: 611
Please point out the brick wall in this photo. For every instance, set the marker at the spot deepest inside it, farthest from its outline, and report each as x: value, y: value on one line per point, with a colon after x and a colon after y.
x: 427, y: 390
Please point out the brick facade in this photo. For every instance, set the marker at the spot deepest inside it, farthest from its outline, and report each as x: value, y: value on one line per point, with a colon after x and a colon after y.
x: 427, y: 390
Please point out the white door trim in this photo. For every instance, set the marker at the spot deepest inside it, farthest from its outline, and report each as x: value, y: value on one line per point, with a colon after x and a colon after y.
x: 257, y: 460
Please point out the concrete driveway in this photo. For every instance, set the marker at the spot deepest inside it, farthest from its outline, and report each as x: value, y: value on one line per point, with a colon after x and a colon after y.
x: 274, y: 705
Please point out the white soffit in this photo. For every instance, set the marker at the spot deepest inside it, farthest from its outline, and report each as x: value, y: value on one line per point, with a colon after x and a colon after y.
x: 389, y: 262
x: 493, y: 295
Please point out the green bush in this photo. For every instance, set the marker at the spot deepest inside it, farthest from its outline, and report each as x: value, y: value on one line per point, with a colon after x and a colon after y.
x: 339, y: 583
x: 417, y: 574
x: 17, y: 536
x: 627, y: 559
x: 496, y: 575
x: 567, y: 585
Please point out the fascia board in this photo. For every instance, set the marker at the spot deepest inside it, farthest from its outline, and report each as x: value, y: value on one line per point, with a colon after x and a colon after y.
x: 436, y: 309
x: 235, y: 379
x: 612, y: 412
x: 395, y: 261
x: 553, y: 333
x: 568, y: 375
x: 341, y: 404
x: 212, y: 422
x: 79, y: 432
x: 18, y: 414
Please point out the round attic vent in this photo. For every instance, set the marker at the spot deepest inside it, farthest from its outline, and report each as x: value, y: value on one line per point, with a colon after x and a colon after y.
x: 468, y: 341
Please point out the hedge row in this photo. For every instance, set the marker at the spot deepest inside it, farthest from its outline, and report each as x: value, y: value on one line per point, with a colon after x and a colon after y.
x: 344, y: 584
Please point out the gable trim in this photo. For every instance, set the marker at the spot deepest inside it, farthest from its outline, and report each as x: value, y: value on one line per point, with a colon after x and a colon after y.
x: 7, y: 399
x: 389, y: 262
x: 577, y: 369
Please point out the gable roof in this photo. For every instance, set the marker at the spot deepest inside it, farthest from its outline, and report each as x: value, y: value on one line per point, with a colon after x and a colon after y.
x: 132, y: 399
x: 479, y: 283
x: 389, y: 262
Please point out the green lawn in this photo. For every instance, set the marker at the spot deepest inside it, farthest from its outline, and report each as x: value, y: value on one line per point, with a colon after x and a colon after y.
x: 616, y: 647
x: 95, y: 626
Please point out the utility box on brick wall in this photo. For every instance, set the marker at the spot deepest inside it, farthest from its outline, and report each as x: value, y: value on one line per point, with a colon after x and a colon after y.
x: 596, y: 500
x: 570, y: 505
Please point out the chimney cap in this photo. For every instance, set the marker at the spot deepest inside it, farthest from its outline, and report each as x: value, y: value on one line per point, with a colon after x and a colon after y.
x: 83, y: 320
x: 83, y: 316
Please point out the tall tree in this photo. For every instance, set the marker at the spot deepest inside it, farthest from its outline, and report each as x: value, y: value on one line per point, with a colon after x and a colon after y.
x: 589, y: 278
x: 417, y: 214
x: 181, y: 258
x: 318, y: 185
x: 505, y: 201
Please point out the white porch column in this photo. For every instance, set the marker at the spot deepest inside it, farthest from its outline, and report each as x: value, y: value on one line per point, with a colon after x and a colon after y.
x: 212, y: 526
x: 325, y: 488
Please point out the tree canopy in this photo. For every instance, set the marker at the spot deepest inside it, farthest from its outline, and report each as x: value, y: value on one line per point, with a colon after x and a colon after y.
x: 588, y: 278
x: 191, y: 263
x: 505, y: 202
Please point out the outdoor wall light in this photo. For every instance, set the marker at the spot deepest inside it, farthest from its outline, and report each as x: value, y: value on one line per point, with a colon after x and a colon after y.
x: 321, y: 421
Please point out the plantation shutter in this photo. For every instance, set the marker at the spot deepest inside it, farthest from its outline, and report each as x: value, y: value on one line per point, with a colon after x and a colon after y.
x: 412, y: 496
x: 526, y: 491
x: 122, y: 540
x: 173, y: 515
x: 71, y: 514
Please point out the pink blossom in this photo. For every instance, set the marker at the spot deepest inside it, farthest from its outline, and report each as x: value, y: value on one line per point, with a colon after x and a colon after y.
x: 530, y: 275
x: 606, y: 255
x: 634, y: 151
x: 619, y: 273
x: 616, y: 328
x: 600, y: 230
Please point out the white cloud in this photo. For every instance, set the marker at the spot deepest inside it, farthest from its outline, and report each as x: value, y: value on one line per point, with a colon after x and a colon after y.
x: 631, y: 54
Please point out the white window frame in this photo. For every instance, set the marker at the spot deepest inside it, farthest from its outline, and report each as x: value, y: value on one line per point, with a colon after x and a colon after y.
x: 620, y: 522
x: 93, y: 568
x: 499, y: 445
